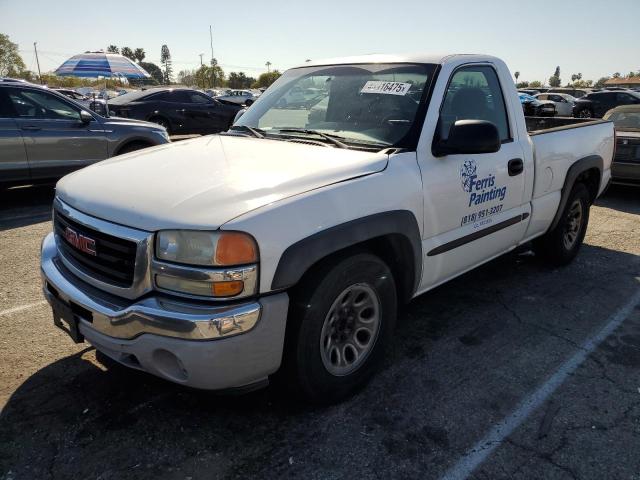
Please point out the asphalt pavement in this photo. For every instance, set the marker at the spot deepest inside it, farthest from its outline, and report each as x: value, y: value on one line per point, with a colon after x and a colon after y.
x: 512, y: 371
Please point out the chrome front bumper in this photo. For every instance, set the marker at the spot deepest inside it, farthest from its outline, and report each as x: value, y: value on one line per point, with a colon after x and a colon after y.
x: 193, y: 343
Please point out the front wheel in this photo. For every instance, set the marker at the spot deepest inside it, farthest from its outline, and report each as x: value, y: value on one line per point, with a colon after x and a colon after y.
x: 341, y: 318
x: 560, y: 245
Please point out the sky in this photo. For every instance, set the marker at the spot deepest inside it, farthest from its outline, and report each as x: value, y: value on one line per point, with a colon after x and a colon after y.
x: 532, y: 37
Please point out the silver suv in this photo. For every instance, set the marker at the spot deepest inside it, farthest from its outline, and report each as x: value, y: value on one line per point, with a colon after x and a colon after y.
x: 44, y: 135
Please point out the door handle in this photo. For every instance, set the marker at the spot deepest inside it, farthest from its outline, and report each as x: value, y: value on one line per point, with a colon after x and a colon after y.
x: 31, y: 127
x: 515, y: 166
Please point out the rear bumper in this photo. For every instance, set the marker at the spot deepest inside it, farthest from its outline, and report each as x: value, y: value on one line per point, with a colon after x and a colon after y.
x: 194, y: 344
x: 625, y: 173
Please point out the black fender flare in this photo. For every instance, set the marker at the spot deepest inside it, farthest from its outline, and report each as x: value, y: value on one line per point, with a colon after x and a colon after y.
x: 299, y: 257
x: 575, y: 170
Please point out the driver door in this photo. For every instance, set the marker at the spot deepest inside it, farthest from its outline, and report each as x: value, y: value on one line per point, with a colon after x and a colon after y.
x: 473, y: 202
x: 56, y: 140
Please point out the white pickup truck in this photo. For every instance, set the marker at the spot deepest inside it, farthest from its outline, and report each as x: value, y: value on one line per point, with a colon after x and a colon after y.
x: 286, y: 244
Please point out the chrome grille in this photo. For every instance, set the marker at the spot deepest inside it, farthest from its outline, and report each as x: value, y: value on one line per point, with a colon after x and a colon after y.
x: 114, y: 260
x: 121, y: 264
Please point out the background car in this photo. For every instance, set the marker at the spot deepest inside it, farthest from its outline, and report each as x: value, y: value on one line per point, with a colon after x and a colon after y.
x: 98, y: 105
x: 625, y: 168
x: 574, y: 92
x: 44, y: 135
x: 533, y: 107
x: 596, y: 104
x: 179, y: 110
x: 241, y: 97
x: 562, y: 101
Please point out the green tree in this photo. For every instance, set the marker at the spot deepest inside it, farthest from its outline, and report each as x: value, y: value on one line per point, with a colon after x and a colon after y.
x: 138, y: 54
x: 523, y: 84
x: 554, y: 80
x: 187, y: 77
x: 535, y: 84
x: 600, y: 82
x: 165, y: 60
x: 616, y: 75
x: 239, y: 80
x: 516, y: 74
x: 153, y: 70
x: 113, y: 49
x: 11, y: 63
x: 127, y: 52
x: 266, y: 79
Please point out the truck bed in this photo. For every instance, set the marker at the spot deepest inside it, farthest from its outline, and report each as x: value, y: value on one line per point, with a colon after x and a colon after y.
x: 538, y: 125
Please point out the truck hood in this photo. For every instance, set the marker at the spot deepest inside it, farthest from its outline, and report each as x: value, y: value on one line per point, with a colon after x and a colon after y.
x: 205, y: 182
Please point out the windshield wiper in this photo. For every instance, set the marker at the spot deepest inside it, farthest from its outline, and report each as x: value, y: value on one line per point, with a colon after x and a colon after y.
x: 331, y: 138
x: 256, y: 132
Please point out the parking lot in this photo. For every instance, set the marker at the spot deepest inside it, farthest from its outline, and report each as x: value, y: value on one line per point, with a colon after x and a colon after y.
x: 511, y: 371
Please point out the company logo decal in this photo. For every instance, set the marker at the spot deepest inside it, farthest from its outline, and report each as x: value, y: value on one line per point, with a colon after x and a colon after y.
x: 482, y: 189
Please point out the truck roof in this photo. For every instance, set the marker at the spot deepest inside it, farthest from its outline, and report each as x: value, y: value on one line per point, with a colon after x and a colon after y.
x: 437, y: 58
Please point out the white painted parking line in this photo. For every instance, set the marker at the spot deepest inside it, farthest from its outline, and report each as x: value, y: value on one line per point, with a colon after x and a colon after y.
x: 481, y: 450
x: 21, y: 308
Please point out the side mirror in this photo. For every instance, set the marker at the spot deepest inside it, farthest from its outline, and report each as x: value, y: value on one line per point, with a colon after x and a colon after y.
x: 468, y: 137
x: 85, y: 117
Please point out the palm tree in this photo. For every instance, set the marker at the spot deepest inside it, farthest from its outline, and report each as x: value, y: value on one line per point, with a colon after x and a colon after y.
x: 516, y: 74
x: 268, y: 65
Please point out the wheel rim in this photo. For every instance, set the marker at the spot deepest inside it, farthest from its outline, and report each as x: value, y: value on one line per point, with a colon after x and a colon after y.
x: 585, y: 114
x: 573, y: 225
x: 350, y: 329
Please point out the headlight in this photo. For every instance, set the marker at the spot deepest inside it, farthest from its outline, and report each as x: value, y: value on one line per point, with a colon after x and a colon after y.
x: 206, y: 248
x: 226, y: 263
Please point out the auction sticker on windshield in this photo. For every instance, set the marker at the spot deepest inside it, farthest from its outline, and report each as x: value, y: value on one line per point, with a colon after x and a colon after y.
x: 388, y: 88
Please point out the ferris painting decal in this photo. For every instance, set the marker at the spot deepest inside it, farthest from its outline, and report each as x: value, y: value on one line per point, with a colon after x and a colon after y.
x: 480, y: 190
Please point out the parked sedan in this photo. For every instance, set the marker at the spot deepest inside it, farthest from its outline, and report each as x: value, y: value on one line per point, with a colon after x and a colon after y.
x: 44, y: 135
x: 179, y: 110
x: 596, y: 104
x: 625, y: 168
x: 562, y: 101
x: 533, y: 107
x: 241, y: 97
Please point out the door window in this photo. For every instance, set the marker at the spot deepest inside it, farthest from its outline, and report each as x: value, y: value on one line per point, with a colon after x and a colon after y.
x: 198, y: 98
x: 474, y: 93
x: 6, y: 107
x: 625, y: 98
x: 41, y: 105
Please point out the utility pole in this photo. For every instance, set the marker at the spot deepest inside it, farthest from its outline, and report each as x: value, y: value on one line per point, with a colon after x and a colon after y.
x: 201, y: 65
x: 201, y: 58
x: 37, y: 61
x: 213, y: 72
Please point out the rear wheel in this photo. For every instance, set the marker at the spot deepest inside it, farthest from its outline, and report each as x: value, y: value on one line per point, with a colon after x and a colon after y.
x: 132, y: 147
x: 560, y: 245
x: 341, y: 318
x: 585, y: 113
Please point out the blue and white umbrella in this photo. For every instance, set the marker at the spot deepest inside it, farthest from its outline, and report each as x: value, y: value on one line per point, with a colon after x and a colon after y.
x: 100, y: 64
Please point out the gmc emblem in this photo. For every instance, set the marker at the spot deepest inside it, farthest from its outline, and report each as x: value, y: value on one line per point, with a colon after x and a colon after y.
x: 79, y: 241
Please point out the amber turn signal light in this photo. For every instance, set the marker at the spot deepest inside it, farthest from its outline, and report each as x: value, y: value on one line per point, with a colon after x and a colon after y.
x: 235, y: 248
x: 227, y: 289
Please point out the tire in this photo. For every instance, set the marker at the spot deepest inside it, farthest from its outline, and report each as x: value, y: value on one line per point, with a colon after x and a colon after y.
x: 331, y: 351
x: 132, y: 147
x: 163, y: 122
x: 585, y: 113
x: 560, y: 245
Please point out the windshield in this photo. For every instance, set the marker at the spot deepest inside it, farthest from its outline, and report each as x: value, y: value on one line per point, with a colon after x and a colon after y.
x: 368, y: 104
x: 625, y: 120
